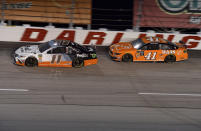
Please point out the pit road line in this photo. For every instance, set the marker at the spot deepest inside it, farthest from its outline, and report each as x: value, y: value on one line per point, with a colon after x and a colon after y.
x: 169, y: 94
x: 14, y: 90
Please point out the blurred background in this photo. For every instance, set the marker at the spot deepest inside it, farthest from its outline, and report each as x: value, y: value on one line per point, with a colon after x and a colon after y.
x: 169, y: 16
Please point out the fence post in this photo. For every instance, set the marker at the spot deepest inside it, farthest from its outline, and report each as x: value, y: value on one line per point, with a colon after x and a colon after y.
x: 2, y: 12
x: 72, y: 14
x: 139, y: 15
x: 10, y: 22
x: 89, y: 27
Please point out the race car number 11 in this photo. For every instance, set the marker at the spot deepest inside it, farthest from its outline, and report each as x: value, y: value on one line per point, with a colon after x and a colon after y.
x: 54, y: 59
x: 151, y: 56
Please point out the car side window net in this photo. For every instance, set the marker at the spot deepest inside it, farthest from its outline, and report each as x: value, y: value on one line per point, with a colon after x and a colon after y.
x: 164, y: 47
x: 150, y: 47
x: 167, y: 47
x: 57, y: 50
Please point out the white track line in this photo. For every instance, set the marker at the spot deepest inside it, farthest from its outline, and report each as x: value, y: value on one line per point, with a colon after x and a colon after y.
x: 169, y: 94
x: 14, y: 90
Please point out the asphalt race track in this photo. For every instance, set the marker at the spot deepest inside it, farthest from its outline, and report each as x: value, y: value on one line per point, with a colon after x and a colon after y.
x: 109, y: 96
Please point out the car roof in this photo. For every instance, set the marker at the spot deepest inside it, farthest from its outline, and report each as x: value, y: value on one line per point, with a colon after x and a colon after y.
x: 55, y: 42
x: 156, y: 40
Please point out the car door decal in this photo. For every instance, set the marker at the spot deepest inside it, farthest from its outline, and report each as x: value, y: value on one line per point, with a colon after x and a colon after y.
x: 151, y: 56
x: 54, y: 57
x: 59, y: 59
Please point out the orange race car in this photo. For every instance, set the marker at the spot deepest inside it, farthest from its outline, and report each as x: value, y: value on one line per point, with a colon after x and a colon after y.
x: 148, y: 49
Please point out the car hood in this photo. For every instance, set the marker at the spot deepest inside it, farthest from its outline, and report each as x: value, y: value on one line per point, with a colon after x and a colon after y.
x: 27, y: 49
x: 121, y: 46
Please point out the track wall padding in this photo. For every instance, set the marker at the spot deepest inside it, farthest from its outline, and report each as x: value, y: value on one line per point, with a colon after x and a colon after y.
x: 88, y: 37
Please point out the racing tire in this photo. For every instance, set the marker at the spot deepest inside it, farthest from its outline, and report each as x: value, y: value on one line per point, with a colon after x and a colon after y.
x: 170, y: 59
x: 77, y: 63
x: 127, y: 58
x: 31, y: 62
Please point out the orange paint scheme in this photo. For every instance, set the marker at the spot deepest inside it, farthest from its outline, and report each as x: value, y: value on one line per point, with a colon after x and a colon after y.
x: 18, y: 63
x: 90, y: 62
x: 67, y: 63
x: 61, y: 64
x: 119, y: 50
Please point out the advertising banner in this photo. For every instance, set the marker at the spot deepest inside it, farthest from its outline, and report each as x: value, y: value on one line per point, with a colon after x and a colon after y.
x: 88, y: 37
x: 167, y: 13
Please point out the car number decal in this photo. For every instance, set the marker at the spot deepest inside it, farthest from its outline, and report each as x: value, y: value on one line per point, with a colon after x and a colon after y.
x: 151, y: 56
x: 54, y: 59
x: 59, y: 59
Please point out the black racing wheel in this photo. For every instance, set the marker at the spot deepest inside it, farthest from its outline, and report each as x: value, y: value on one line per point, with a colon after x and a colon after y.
x: 77, y: 62
x: 170, y: 59
x: 127, y: 58
x: 31, y: 62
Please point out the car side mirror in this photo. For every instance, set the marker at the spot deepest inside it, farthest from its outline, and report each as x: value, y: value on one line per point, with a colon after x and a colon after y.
x: 181, y: 42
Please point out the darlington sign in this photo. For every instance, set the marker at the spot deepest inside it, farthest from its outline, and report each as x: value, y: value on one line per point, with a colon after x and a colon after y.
x: 87, y: 37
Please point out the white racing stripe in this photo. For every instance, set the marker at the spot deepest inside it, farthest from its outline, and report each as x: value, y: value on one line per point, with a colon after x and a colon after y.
x: 169, y: 94
x: 14, y: 90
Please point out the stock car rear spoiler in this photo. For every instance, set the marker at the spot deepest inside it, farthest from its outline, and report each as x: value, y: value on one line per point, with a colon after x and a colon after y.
x: 183, y: 44
x: 93, y: 46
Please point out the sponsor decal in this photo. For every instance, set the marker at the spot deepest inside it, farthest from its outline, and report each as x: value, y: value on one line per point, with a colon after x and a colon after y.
x: 82, y: 55
x: 168, y: 51
x: 179, y: 52
x: 93, y: 55
x: 139, y: 53
x: 40, y: 56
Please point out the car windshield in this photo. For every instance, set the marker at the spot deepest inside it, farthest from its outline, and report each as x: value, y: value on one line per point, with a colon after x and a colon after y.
x: 137, y: 43
x: 44, y: 46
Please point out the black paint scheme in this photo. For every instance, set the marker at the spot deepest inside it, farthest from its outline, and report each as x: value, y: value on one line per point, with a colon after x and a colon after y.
x: 75, y: 50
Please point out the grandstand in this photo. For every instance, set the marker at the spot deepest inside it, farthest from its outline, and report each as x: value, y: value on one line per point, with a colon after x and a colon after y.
x: 90, y: 14
x: 47, y: 12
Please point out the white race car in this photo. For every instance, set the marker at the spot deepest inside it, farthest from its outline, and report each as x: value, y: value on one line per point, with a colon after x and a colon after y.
x: 55, y: 53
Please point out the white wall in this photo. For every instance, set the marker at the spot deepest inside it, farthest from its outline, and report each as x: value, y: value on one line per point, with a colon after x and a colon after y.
x: 98, y: 37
